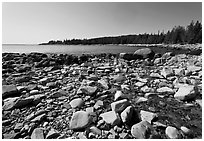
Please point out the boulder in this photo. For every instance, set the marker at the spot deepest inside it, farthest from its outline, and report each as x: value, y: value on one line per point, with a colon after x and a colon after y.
x: 119, y: 95
x: 80, y: 120
x: 38, y: 133
x: 120, y: 105
x: 9, y: 91
x: 111, y: 118
x: 172, y: 132
x: 88, y: 90
x: 77, y: 102
x: 144, y: 53
x: 147, y: 116
x: 186, y: 92
x: 127, y: 114
x: 52, y: 134
x: 142, y: 130
x: 128, y: 56
x: 9, y: 103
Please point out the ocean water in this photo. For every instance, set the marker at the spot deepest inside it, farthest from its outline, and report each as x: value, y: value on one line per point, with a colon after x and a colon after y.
x: 79, y: 49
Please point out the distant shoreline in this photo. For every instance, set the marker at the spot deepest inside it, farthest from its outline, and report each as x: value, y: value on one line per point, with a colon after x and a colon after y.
x: 197, y: 46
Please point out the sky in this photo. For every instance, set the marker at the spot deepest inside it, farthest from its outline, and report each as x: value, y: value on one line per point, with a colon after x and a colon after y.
x: 40, y: 22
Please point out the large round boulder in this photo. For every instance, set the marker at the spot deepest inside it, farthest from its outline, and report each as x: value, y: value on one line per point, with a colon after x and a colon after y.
x: 144, y: 53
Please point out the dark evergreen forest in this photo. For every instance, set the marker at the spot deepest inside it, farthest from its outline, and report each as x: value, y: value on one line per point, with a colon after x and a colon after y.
x: 178, y: 35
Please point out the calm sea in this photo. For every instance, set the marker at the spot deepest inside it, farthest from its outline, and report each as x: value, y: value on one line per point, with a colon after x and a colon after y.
x: 77, y: 49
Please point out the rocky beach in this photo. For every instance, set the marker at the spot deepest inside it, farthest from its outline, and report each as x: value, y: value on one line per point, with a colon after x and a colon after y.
x: 144, y: 95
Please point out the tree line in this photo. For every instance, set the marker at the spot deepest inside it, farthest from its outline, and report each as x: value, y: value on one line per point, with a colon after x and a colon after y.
x: 178, y: 35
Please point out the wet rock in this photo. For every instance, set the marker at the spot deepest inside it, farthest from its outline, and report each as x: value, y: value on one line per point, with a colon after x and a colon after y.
x: 141, y: 99
x: 127, y: 114
x: 9, y: 91
x: 186, y: 92
x: 52, y: 134
x: 144, y: 53
x: 111, y: 118
x: 142, y: 130
x: 120, y: 105
x: 38, y: 133
x: 172, y: 132
x: 80, y: 120
x: 147, y: 116
x: 77, y: 102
